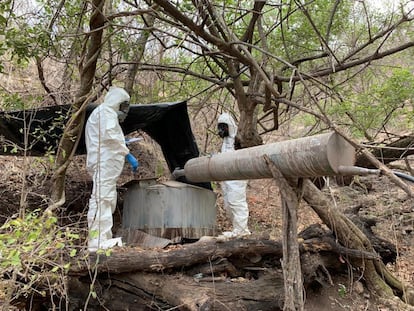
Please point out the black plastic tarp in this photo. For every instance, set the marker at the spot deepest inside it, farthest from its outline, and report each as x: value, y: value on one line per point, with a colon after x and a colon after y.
x: 167, y: 123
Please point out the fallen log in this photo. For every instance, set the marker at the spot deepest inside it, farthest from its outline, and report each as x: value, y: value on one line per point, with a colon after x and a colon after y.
x: 207, y: 249
x: 204, y: 251
x: 396, y: 150
x: 211, y: 274
x: 153, y: 291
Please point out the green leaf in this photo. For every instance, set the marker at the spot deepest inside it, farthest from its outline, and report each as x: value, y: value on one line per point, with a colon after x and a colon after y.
x: 72, y: 236
x: 33, y: 236
x: 11, y: 240
x: 16, y: 222
x: 28, y: 248
x: 3, y: 20
x: 93, y: 234
x: 14, y: 258
x: 60, y: 245
x: 50, y: 221
x: 73, y: 253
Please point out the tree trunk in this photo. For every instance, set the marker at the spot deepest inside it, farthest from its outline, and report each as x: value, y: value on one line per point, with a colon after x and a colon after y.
x: 71, y: 135
x: 150, y: 291
x: 378, y: 278
x: 247, y: 133
x: 207, y: 250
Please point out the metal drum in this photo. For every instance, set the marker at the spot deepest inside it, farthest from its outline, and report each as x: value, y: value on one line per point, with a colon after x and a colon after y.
x: 169, y: 209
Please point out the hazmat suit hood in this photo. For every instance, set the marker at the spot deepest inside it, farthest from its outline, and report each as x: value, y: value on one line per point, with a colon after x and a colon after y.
x: 228, y: 119
x: 228, y: 141
x: 115, y: 97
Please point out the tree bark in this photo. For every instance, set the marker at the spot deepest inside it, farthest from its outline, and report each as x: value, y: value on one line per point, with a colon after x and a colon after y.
x: 71, y: 135
x: 378, y: 278
x: 135, y: 259
x: 291, y: 266
x: 141, y: 291
x: 206, y: 250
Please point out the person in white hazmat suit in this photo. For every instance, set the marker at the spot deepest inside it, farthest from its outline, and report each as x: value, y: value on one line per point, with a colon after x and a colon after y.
x: 106, y: 153
x: 234, y: 191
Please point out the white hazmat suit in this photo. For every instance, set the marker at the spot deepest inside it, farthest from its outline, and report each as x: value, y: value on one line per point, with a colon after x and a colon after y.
x: 106, y: 151
x: 234, y: 191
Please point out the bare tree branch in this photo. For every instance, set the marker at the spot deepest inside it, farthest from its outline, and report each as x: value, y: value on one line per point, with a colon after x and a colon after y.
x: 42, y: 79
x: 355, y: 63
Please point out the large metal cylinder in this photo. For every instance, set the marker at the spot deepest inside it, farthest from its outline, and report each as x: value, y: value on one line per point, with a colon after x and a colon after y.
x: 313, y: 156
x: 169, y: 209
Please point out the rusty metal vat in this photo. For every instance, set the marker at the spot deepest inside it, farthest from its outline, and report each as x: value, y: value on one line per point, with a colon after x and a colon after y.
x: 313, y: 156
x: 169, y: 209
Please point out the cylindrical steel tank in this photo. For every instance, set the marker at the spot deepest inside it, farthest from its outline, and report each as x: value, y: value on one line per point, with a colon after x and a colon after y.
x: 312, y: 156
x: 169, y: 209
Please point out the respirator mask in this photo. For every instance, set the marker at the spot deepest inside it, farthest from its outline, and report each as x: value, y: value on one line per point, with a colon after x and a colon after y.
x: 123, y: 111
x: 223, y: 130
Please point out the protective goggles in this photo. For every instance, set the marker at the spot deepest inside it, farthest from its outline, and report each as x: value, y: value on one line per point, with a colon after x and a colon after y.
x: 223, y: 130
x: 124, y: 107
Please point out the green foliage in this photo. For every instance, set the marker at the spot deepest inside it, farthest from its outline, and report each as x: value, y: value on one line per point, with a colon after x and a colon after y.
x: 300, y: 27
x: 21, y: 39
x: 35, y: 247
x: 342, y: 290
x: 5, y: 12
x: 12, y: 101
x: 383, y: 104
x: 398, y: 89
x: 25, y: 42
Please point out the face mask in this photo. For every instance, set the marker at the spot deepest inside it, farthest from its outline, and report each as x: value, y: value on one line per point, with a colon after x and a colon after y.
x: 123, y: 111
x: 124, y: 107
x: 223, y: 130
x: 121, y: 116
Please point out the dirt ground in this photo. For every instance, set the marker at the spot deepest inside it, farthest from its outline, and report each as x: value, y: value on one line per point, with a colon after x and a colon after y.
x: 377, y: 197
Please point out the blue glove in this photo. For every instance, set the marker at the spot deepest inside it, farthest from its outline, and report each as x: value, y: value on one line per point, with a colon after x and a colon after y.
x: 133, y: 161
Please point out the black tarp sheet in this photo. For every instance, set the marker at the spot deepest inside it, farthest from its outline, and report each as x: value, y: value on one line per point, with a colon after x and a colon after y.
x: 167, y: 123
